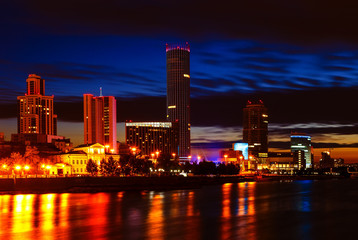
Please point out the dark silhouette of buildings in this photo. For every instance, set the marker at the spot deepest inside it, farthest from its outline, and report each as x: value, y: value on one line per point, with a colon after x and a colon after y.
x: 100, y: 121
x: 326, y: 161
x: 255, y: 129
x: 152, y: 137
x: 178, y: 93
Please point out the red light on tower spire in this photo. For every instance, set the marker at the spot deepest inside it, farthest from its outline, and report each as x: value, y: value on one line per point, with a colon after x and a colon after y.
x: 185, y: 47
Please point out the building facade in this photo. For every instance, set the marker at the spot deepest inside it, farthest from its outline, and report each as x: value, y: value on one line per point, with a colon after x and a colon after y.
x: 100, y: 121
x: 299, y: 158
x: 255, y: 128
x: 178, y: 93
x: 152, y: 137
x: 302, y: 142
x: 35, y: 110
x: 77, y: 159
x: 282, y: 162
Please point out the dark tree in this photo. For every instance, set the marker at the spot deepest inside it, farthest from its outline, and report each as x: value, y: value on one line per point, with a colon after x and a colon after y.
x: 102, y: 167
x: 205, y: 168
x: 111, y: 166
x: 124, y: 164
x: 92, y: 167
x: 166, y: 162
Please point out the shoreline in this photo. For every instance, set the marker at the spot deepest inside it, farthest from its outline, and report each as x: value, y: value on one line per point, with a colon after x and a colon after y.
x: 13, y: 186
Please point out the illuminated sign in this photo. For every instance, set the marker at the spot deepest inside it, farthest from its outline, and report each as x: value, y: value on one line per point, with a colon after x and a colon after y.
x: 244, y: 148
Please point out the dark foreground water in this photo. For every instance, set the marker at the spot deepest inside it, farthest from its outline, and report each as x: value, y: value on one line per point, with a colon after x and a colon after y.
x: 273, y: 210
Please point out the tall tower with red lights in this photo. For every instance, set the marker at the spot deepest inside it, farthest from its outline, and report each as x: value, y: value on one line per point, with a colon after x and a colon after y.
x: 255, y: 131
x: 178, y: 93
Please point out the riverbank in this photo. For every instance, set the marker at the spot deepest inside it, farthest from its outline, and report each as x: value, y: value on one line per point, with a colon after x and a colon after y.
x: 116, y: 184
x: 107, y: 184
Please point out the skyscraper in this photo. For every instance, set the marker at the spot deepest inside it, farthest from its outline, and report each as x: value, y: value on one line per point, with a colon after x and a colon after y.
x: 100, y: 121
x: 36, y: 115
x: 178, y: 93
x: 302, y: 142
x: 255, y: 129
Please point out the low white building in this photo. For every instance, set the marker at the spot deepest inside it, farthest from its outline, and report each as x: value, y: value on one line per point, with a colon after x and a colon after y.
x: 78, y: 158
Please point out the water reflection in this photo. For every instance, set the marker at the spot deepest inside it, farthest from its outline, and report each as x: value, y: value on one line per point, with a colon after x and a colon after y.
x: 226, y: 221
x: 228, y: 211
x: 155, y: 217
x: 22, y: 214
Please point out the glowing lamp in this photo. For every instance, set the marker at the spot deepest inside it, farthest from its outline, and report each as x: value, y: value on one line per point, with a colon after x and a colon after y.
x: 4, y: 166
x: 17, y: 167
x: 27, y: 167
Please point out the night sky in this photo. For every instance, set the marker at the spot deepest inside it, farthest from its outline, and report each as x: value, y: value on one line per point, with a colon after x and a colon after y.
x: 299, y: 57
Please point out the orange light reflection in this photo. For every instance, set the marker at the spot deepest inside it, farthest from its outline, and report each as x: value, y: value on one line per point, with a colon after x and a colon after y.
x: 225, y: 220
x: 247, y: 212
x: 155, y: 218
x: 22, y: 215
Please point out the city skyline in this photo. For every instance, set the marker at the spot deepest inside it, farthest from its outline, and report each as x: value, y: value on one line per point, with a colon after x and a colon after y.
x: 288, y: 64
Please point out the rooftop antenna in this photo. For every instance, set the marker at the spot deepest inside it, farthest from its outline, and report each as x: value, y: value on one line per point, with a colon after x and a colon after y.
x: 100, y: 92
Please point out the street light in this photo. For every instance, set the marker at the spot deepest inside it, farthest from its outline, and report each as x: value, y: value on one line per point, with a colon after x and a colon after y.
x: 48, y: 168
x: 199, y: 159
x: 173, y: 155
x: 157, y: 153
x: 17, y: 168
x: 107, y: 146
x: 27, y: 168
x: 225, y: 156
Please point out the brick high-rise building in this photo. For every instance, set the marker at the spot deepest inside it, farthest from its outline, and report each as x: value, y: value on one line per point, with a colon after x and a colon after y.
x: 36, y: 114
x: 255, y: 131
x: 100, y: 121
x: 178, y: 93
